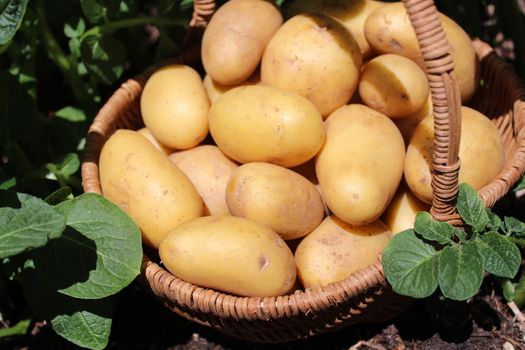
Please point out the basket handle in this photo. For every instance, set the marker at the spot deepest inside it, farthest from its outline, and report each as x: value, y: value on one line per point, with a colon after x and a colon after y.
x: 202, y: 12
x: 446, y: 101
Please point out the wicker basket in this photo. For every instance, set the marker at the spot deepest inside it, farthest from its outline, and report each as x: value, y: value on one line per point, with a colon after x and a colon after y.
x: 364, y: 296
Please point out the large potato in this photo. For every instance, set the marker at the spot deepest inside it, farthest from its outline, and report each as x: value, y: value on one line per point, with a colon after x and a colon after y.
x: 216, y: 90
x: 388, y: 30
x: 275, y: 196
x: 209, y: 170
x: 235, y: 39
x: 351, y: 13
x: 393, y: 85
x: 265, y: 124
x: 401, y: 213
x: 146, y: 185
x: 335, y: 250
x: 175, y: 107
x: 480, y: 152
x: 316, y: 57
x: 360, y: 164
x: 230, y: 254
x: 408, y: 124
x: 147, y: 134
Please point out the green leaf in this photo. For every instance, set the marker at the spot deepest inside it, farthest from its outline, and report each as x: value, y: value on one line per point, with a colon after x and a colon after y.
x: 508, y: 288
x: 101, y: 248
x: 411, y: 265
x: 433, y: 230
x: 471, y: 208
x: 11, y: 14
x: 103, y: 57
x: 520, y: 185
x: 500, y: 256
x: 460, y: 271
x: 98, y: 10
x: 77, y: 31
x: 7, y: 184
x: 186, y: 4
x: 71, y: 114
x: 494, y: 221
x: 59, y: 195
x: 29, y: 226
x: 18, y: 329
x: 513, y: 226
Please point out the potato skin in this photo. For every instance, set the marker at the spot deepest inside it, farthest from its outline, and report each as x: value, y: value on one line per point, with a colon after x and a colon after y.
x: 175, y: 106
x: 147, y: 134
x: 351, y: 13
x: 408, y: 124
x: 480, y: 152
x: 265, y: 124
x: 230, y: 254
x: 235, y: 39
x: 361, y: 163
x: 335, y: 250
x: 146, y: 185
x: 393, y: 85
x: 209, y: 170
x: 216, y: 90
x: 277, y: 197
x: 316, y: 57
x: 388, y: 30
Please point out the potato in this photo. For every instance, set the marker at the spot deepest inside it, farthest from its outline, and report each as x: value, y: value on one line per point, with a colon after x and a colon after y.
x: 316, y: 57
x: 360, y: 164
x: 351, y: 13
x: 215, y: 90
x: 480, y: 151
x: 388, y: 30
x: 401, y: 213
x: 146, y: 185
x: 408, y: 124
x: 393, y: 85
x: 235, y: 39
x: 335, y: 250
x: 146, y: 133
x: 230, y: 254
x: 265, y: 124
x: 277, y: 197
x: 175, y: 107
x: 209, y: 170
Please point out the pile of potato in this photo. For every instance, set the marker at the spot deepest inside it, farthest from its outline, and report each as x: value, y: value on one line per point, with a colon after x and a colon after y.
x: 314, y: 123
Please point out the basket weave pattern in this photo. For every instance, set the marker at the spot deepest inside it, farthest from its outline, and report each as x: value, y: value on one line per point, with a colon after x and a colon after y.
x: 364, y: 296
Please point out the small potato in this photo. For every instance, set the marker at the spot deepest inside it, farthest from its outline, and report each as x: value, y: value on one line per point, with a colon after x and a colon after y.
x: 209, y: 170
x: 230, y: 254
x: 316, y: 57
x: 393, y: 85
x: 361, y: 163
x: 265, y: 124
x: 146, y: 133
x: 175, y: 107
x: 216, y: 90
x: 146, y: 185
x: 408, y: 124
x: 277, y: 197
x: 335, y: 250
x: 388, y: 30
x: 235, y: 39
x: 401, y: 213
x: 351, y: 13
x: 480, y: 152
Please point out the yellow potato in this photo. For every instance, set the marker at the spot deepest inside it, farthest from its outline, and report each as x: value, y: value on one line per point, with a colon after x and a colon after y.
x: 360, y: 164
x: 216, y: 90
x: 265, y: 124
x: 146, y: 185
x: 209, y: 170
x: 401, y: 213
x: 335, y: 250
x: 351, y: 13
x: 388, y: 30
x: 230, y: 254
x: 235, y: 39
x: 175, y: 107
x: 277, y: 197
x: 393, y: 85
x: 146, y: 133
x: 408, y: 124
x: 480, y: 152
x: 315, y: 57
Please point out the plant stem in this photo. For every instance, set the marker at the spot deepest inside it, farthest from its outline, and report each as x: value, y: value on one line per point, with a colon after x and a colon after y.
x: 57, y: 55
x: 132, y: 22
x: 517, y: 241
